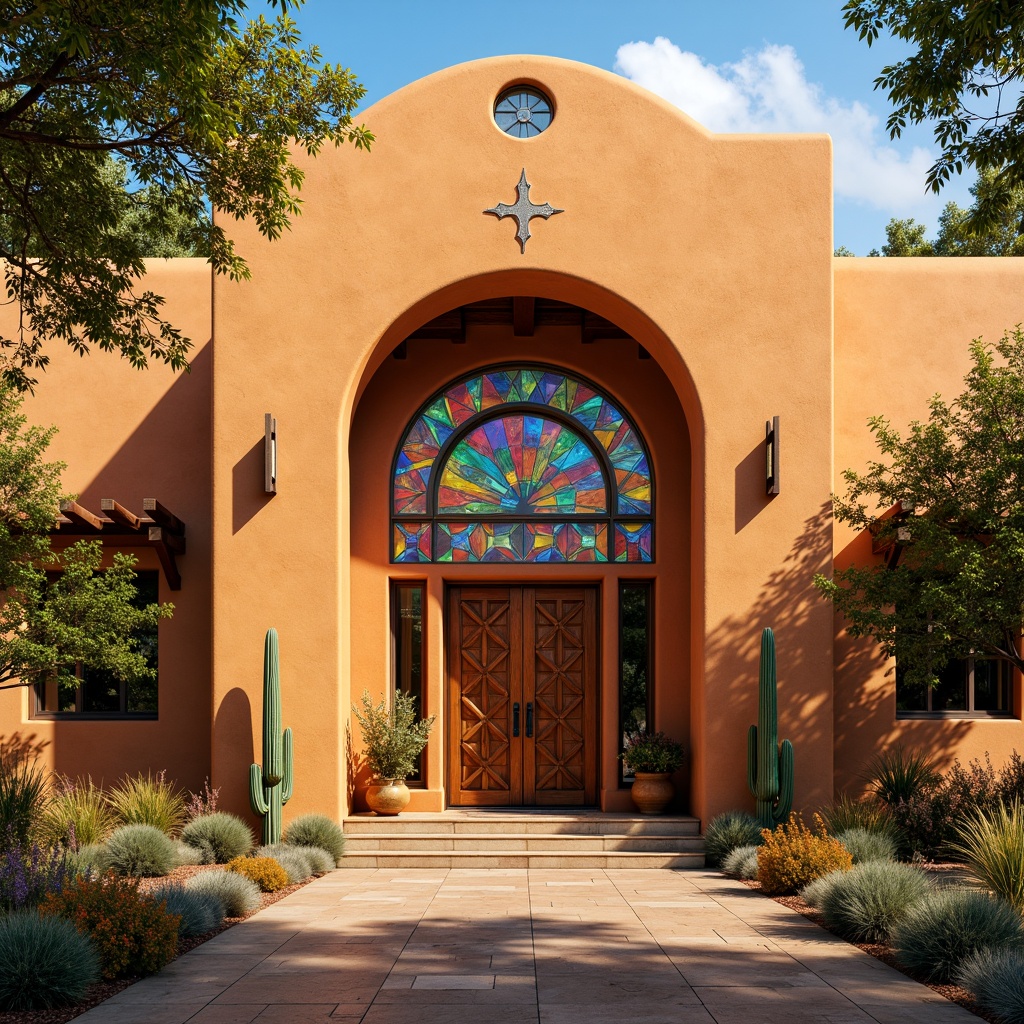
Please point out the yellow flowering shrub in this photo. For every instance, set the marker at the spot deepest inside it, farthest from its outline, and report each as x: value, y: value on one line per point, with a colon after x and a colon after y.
x: 264, y: 871
x: 793, y: 855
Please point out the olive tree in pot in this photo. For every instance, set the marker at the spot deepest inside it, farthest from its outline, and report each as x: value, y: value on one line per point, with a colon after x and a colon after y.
x: 652, y: 758
x: 393, y: 739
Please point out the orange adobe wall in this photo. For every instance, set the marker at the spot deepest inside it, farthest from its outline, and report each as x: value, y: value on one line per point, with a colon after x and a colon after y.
x: 128, y: 434
x: 902, y: 332
x: 713, y: 252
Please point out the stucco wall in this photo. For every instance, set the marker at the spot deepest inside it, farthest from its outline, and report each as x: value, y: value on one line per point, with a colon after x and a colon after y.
x: 128, y: 434
x: 902, y: 331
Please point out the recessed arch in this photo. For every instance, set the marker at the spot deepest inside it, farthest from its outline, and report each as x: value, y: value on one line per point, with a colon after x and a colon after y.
x: 522, y: 462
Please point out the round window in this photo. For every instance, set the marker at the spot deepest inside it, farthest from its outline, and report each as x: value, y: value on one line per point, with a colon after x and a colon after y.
x: 522, y: 112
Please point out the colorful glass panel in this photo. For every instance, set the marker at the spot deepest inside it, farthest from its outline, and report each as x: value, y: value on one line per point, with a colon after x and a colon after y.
x: 566, y: 542
x: 479, y: 542
x: 633, y: 542
x: 411, y: 542
x: 524, y: 465
x: 534, y: 385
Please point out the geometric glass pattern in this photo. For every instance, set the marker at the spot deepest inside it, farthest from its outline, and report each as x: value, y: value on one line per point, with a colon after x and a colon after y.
x: 522, y: 112
x: 512, y: 444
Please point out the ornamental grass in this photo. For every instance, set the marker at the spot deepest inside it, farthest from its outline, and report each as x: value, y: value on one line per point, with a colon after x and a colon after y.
x: 992, y: 843
x: 145, y: 800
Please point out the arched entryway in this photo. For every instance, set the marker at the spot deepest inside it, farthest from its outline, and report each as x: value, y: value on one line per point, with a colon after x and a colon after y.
x: 504, y: 514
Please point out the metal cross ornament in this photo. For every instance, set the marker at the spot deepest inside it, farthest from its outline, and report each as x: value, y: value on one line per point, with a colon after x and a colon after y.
x: 524, y: 211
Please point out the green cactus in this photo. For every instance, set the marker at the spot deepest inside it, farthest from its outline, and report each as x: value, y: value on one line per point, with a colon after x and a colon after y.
x: 769, y: 764
x: 270, y: 787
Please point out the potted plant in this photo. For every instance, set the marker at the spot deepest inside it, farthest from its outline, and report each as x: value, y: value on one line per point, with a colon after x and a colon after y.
x: 393, y: 739
x: 652, y: 758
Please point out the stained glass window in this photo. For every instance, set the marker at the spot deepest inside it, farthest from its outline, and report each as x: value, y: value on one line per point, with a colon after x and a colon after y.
x: 522, y: 464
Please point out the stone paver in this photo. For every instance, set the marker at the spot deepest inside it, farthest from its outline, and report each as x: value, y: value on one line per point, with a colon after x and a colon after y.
x: 516, y: 946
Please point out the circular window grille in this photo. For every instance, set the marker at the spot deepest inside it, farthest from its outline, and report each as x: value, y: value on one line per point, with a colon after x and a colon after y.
x: 522, y: 112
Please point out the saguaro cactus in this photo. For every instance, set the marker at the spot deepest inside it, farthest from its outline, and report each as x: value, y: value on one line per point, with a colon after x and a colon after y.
x: 769, y: 765
x: 270, y: 787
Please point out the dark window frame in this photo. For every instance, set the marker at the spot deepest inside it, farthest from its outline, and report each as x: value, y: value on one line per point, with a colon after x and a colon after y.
x: 37, y: 691
x: 418, y: 779
x: 970, y: 712
x: 646, y: 584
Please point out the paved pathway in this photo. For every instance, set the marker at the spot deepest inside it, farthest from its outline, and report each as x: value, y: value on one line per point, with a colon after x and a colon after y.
x: 378, y: 946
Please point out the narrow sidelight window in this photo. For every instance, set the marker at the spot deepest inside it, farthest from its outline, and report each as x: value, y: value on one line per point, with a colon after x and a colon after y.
x: 407, y: 601
x: 636, y: 661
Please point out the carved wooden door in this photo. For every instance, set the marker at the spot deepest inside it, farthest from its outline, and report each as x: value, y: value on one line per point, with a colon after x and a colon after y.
x: 522, y: 712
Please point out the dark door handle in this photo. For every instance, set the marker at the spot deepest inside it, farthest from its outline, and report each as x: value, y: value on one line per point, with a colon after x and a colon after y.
x: 529, y: 719
x: 515, y: 719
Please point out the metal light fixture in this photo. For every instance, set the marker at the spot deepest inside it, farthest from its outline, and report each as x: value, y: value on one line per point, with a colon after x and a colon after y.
x: 269, y: 454
x: 771, y: 456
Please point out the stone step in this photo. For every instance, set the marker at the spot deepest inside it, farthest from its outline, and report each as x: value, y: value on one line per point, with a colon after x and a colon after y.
x: 498, y: 822
x: 609, y: 861
x: 514, y: 842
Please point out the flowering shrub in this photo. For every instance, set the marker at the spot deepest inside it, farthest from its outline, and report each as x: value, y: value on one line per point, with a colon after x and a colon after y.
x: 652, y: 752
x: 26, y: 877
x: 132, y: 934
x: 264, y: 871
x: 793, y: 855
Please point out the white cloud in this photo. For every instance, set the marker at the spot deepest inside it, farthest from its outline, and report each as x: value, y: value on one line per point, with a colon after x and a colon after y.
x: 767, y: 91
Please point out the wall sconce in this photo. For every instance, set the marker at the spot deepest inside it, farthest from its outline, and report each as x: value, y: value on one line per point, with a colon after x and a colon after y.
x: 771, y: 456
x: 269, y: 454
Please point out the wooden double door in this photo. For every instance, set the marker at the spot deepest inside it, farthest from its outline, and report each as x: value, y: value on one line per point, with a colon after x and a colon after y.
x: 522, y: 696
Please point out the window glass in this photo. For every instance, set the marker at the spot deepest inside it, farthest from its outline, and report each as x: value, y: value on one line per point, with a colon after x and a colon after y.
x: 407, y: 635
x: 991, y: 685
x: 635, y: 648
x: 970, y: 686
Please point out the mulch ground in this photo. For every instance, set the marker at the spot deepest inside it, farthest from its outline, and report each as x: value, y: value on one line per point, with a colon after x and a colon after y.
x: 105, y: 989
x: 883, y: 951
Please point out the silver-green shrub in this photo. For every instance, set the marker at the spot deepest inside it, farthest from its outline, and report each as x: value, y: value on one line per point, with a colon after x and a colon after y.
x: 186, y: 855
x: 294, y: 859
x: 200, y: 912
x: 741, y: 863
x: 995, y: 977
x: 44, y: 962
x: 92, y: 860
x: 320, y: 861
x: 869, y: 900
x: 219, y: 837
x: 814, y: 891
x: 317, y: 830
x: 728, y: 831
x: 948, y: 926
x: 865, y: 845
x: 238, y: 894
x: 142, y: 851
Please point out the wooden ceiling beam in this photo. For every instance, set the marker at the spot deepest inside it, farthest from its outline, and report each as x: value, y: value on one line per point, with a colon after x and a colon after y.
x: 523, y: 316
x: 81, y: 517
x: 119, y: 514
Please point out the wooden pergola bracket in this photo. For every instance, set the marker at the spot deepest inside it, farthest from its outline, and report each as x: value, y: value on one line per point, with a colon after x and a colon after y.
x: 157, y: 527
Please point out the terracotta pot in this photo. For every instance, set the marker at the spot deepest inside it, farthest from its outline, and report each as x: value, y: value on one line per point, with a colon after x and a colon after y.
x: 652, y: 792
x: 388, y: 796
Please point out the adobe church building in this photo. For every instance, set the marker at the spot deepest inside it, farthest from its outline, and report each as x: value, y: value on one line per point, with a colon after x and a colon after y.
x: 520, y: 463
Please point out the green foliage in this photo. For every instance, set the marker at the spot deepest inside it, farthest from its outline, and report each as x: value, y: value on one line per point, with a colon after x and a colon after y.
x: 264, y: 871
x: 992, y: 843
x: 296, y: 860
x: 44, y: 962
x: 897, y: 775
x: 91, y: 861
x: 77, y: 813
x: 845, y: 813
x: 320, y: 861
x: 238, y: 895
x: 392, y: 738
x: 956, y: 591
x: 814, y: 892
x: 995, y: 977
x: 945, y: 928
x: 52, y: 625
x: 22, y: 796
x: 141, y: 851
x: 145, y: 800
x: 200, y: 912
x: 726, y: 832
x: 317, y: 830
x: 219, y: 837
x: 867, y: 846
x: 652, y: 752
x: 186, y: 855
x: 741, y: 862
x: 770, y: 770
x: 199, y: 109
x: 132, y: 934
x: 867, y: 902
x: 792, y: 855
x: 961, y: 58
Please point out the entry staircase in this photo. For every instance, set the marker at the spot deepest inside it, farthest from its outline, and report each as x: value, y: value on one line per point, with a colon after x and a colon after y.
x: 534, y: 838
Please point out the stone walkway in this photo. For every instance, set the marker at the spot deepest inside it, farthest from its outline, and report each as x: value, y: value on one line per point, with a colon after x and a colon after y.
x: 377, y: 946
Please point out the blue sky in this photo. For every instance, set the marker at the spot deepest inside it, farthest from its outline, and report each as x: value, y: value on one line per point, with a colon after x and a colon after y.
x: 773, y: 65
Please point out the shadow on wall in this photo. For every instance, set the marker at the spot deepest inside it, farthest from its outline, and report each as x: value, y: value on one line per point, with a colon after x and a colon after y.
x: 16, y: 749
x: 233, y: 725
x: 791, y: 606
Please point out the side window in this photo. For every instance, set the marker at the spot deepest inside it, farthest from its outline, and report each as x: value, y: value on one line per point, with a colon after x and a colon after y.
x: 407, y: 613
x: 967, y: 688
x: 100, y: 694
x: 636, y: 636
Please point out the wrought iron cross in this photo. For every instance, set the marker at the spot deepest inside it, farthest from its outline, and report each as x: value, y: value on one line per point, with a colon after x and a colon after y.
x: 524, y: 211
